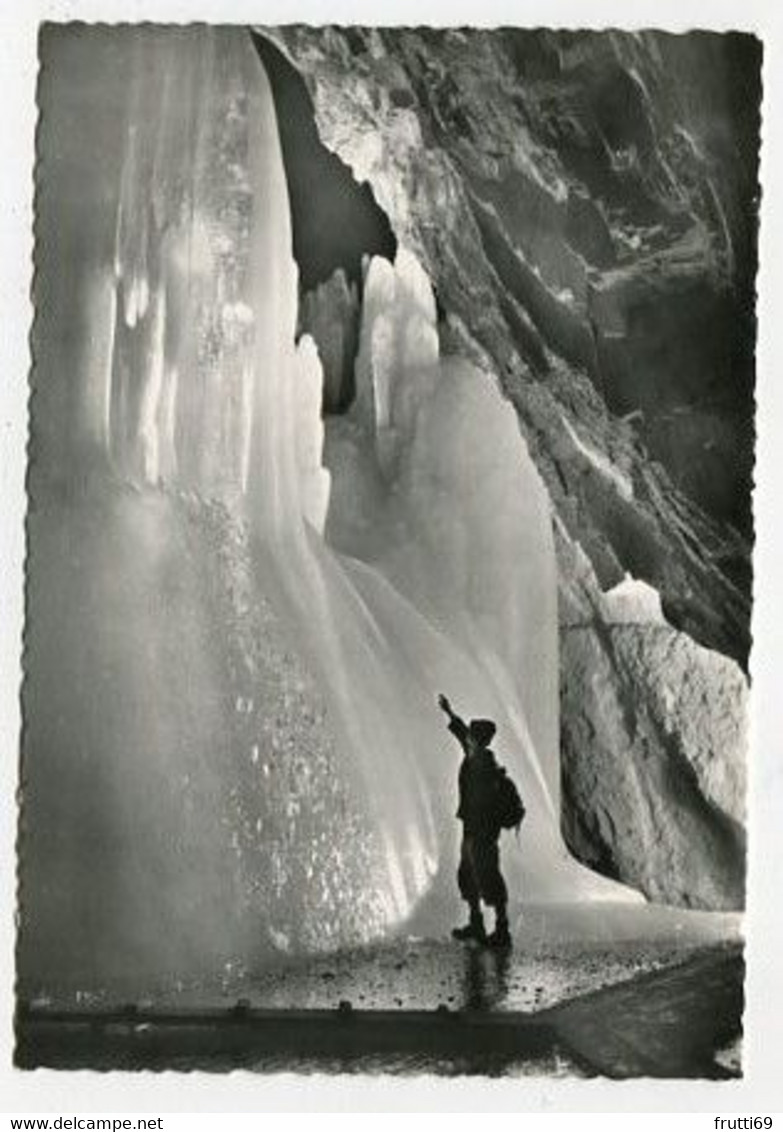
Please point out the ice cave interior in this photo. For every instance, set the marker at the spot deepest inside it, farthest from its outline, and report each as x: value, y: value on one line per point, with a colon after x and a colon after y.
x: 241, y: 608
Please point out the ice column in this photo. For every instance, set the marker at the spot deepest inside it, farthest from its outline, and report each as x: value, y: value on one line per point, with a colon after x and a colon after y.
x: 397, y: 332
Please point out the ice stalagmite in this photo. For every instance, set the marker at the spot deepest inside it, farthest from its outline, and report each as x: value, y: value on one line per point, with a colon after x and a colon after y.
x: 234, y: 646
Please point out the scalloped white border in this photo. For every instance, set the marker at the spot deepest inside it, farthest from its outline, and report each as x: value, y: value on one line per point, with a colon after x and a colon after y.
x: 760, y: 1091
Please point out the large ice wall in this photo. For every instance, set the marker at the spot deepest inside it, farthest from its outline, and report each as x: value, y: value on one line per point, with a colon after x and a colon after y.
x: 232, y: 741
x: 166, y: 371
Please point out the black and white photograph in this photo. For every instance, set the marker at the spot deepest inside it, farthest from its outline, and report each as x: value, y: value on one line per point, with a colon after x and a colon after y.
x: 388, y: 656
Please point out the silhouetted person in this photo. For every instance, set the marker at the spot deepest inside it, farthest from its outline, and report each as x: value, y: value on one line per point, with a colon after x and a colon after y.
x: 479, y: 877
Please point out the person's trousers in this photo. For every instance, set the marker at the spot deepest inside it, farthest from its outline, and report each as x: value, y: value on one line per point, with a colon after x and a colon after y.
x: 479, y: 876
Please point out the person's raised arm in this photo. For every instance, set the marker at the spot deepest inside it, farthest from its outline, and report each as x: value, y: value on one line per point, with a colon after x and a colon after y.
x: 457, y: 726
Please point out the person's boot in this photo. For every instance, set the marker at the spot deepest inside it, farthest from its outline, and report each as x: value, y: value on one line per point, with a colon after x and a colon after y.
x: 474, y: 929
x: 501, y: 937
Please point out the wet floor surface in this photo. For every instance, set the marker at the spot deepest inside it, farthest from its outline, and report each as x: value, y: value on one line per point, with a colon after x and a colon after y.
x: 676, y: 1022
x: 559, y: 953
x: 578, y: 995
x: 419, y: 975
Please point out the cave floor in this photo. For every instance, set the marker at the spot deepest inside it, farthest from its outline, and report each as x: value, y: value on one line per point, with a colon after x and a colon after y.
x: 612, y: 991
x: 560, y: 953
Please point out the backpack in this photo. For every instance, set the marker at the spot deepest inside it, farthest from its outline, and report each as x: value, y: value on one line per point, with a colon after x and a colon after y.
x: 509, y: 807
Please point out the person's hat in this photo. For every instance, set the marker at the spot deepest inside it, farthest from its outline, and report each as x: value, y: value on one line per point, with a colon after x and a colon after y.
x: 482, y: 730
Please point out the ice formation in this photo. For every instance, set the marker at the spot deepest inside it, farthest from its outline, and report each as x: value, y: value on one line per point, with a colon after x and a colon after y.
x: 232, y: 710
x: 599, y: 462
x: 330, y: 314
x: 633, y: 601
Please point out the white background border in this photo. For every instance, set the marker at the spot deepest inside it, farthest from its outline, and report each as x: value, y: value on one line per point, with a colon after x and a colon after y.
x: 762, y: 1089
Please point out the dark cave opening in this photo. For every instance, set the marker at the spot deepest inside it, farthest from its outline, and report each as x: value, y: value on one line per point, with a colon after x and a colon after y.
x: 335, y: 220
x: 335, y: 223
